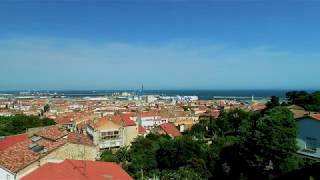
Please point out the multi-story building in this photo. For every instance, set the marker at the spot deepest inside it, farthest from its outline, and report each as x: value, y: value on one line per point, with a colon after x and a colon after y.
x: 112, y: 132
x: 105, y: 133
x: 150, y: 120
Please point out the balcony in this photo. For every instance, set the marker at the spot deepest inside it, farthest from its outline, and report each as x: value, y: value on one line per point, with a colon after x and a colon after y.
x: 110, y: 143
x: 306, y: 150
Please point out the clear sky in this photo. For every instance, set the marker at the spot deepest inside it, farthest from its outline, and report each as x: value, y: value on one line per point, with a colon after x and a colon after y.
x: 162, y: 44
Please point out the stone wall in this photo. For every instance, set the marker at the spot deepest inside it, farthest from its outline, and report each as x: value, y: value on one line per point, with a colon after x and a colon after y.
x: 73, y: 151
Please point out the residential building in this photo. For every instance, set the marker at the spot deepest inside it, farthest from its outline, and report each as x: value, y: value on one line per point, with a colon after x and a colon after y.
x: 149, y: 120
x: 112, y: 132
x: 130, y: 127
x: 105, y: 133
x: 309, y: 135
x: 298, y: 111
x: 50, y: 144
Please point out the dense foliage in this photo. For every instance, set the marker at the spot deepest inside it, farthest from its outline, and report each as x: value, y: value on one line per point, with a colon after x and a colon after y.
x: 274, y: 102
x: 19, y: 123
x: 238, y: 145
x: 310, y: 101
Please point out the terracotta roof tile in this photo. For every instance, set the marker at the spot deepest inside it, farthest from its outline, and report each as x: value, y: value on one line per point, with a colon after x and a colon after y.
x: 141, y: 130
x: 315, y: 116
x: 103, y: 123
x: 11, y: 140
x: 79, y: 170
x: 52, y: 132
x: 170, y: 129
x: 63, y: 120
x: 258, y: 106
x: 123, y: 120
x: 18, y: 156
x: 148, y: 114
x: 99, y: 123
x: 76, y: 138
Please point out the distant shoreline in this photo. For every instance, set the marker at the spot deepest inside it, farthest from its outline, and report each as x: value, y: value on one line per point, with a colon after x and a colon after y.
x: 202, y: 94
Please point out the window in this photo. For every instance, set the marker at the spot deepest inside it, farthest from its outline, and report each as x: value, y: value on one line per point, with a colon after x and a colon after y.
x: 110, y: 135
x: 311, y: 143
x: 8, y: 176
x: 103, y: 134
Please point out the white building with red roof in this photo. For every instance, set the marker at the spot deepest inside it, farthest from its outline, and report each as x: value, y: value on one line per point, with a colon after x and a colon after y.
x: 112, y: 132
x: 149, y: 119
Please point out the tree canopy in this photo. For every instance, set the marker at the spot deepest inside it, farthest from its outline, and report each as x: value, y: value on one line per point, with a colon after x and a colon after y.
x: 237, y: 145
x: 19, y: 123
x: 274, y: 102
x: 309, y: 101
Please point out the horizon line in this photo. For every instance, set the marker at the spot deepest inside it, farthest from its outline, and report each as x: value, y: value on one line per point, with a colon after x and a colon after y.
x: 227, y: 89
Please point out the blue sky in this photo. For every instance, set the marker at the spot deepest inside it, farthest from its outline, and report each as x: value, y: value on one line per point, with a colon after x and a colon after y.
x: 162, y: 44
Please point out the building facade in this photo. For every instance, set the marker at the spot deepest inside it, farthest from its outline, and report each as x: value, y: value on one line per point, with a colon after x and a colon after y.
x: 309, y: 136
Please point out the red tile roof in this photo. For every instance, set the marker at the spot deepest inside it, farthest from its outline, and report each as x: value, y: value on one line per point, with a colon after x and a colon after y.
x: 170, y: 129
x: 315, y: 116
x: 63, y: 120
x: 102, y: 121
x: 11, y: 140
x: 19, y: 155
x: 148, y: 114
x: 123, y: 120
x: 258, y: 106
x: 79, y: 170
x: 128, y: 121
x: 52, y: 133
x: 141, y: 130
x: 215, y: 114
x: 76, y: 138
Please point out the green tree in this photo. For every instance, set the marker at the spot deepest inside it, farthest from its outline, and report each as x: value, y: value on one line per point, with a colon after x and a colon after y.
x: 233, y: 122
x: 182, y: 152
x: 274, y: 102
x: 108, y: 156
x: 206, y: 128
x: 266, y: 148
x: 181, y: 174
x: 297, y: 97
x: 19, y: 123
x: 238, y: 145
x: 291, y: 163
x: 310, y: 101
x: 46, y: 108
x: 271, y: 142
x: 123, y: 155
x: 143, y: 156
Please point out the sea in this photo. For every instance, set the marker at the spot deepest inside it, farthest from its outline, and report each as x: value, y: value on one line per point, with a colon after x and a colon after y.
x: 202, y: 94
